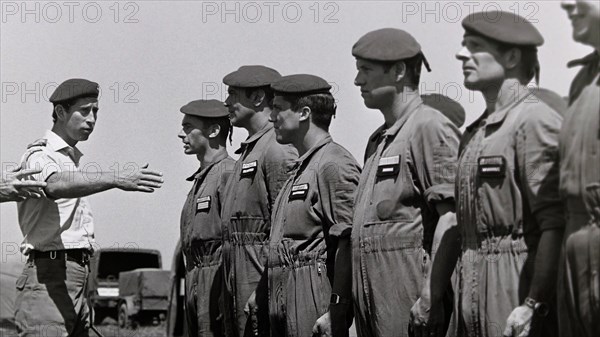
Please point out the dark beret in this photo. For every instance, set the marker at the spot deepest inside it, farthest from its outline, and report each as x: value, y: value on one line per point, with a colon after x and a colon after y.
x: 75, y: 88
x: 211, y: 108
x: 447, y: 106
x: 504, y: 27
x: 387, y: 44
x: 252, y: 77
x: 301, y: 84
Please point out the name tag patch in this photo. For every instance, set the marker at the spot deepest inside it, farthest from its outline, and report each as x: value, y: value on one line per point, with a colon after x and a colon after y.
x: 491, y: 167
x: 203, y: 204
x: 248, y: 169
x: 388, y: 166
x: 299, y: 192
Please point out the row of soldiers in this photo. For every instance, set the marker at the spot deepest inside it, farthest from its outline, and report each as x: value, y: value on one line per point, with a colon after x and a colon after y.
x: 492, y: 232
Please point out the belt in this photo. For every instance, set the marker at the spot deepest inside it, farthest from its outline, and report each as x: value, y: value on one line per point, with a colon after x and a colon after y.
x: 81, y: 256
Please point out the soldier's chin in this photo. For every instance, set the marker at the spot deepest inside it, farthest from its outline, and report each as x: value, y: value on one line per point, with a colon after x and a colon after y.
x: 281, y: 140
x: 471, y: 85
x: 370, y: 103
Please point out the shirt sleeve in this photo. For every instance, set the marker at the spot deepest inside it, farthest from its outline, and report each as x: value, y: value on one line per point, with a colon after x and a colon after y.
x: 337, y: 183
x: 537, y: 158
x: 277, y: 167
x: 434, y: 149
x: 41, y: 160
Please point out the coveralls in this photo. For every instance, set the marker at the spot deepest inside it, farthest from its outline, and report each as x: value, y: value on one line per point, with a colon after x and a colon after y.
x: 201, y: 239
x: 257, y: 177
x: 409, y: 168
x: 507, y: 195
x: 313, y: 209
x: 579, y: 289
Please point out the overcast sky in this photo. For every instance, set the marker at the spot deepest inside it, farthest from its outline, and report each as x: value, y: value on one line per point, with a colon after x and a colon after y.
x: 152, y: 57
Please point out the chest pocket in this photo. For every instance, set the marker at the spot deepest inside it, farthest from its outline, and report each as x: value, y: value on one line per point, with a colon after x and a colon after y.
x: 299, y: 192
x: 203, y: 204
x: 491, y: 167
x: 388, y: 166
x: 249, y: 169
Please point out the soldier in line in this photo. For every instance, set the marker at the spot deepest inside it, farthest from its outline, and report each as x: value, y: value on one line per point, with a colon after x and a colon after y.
x: 313, y: 209
x: 510, y: 221
x: 59, y: 227
x: 258, y: 175
x: 579, y: 296
x: 406, y: 190
x: 205, y: 127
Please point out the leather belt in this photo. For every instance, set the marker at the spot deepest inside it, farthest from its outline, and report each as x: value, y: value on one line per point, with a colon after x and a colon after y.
x: 81, y: 256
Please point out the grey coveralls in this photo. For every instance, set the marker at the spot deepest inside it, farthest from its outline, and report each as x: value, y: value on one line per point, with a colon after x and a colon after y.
x: 258, y: 175
x: 409, y: 167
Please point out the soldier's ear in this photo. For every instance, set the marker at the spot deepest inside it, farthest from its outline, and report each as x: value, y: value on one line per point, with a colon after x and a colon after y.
x: 214, y: 130
x: 258, y: 96
x: 400, y: 68
x: 512, y: 58
x: 304, y: 113
x: 60, y: 111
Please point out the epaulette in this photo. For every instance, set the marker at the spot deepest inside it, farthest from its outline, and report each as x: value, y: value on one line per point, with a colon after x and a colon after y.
x: 31, y: 149
x: 39, y: 142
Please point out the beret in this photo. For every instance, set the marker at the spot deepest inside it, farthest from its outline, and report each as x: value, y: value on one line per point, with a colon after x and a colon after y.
x: 74, y: 88
x: 387, y: 45
x: 504, y: 27
x: 211, y: 108
x: 447, y: 106
x: 252, y: 77
x: 301, y: 84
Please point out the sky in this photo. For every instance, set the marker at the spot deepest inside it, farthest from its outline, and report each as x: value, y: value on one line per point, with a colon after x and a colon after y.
x: 152, y: 57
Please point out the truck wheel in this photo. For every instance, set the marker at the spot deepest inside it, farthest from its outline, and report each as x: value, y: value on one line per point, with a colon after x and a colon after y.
x: 123, y: 317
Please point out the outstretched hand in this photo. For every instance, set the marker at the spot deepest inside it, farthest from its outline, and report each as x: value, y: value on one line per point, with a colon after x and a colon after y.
x: 143, y: 180
x: 14, y: 185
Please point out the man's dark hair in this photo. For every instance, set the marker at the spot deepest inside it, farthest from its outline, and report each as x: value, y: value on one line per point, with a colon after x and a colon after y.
x: 66, y: 105
x: 269, y: 94
x: 322, y: 107
x: 223, y: 123
x: 530, y: 65
x: 413, y: 69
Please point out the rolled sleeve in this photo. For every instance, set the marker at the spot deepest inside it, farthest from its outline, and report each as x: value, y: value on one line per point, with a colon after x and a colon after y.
x: 537, y: 155
x: 434, y: 148
x: 337, y: 182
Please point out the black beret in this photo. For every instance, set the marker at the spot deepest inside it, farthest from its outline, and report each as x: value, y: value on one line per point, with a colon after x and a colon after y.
x: 301, y: 84
x: 75, y: 88
x: 447, y: 106
x: 504, y: 27
x: 211, y: 108
x: 252, y: 77
x: 387, y: 45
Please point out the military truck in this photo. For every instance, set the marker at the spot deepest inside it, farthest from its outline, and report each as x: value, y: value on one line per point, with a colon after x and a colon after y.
x: 143, y: 296
x: 105, y: 268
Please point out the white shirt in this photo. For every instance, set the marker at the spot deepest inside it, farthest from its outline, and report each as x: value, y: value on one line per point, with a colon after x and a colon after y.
x: 53, y: 224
